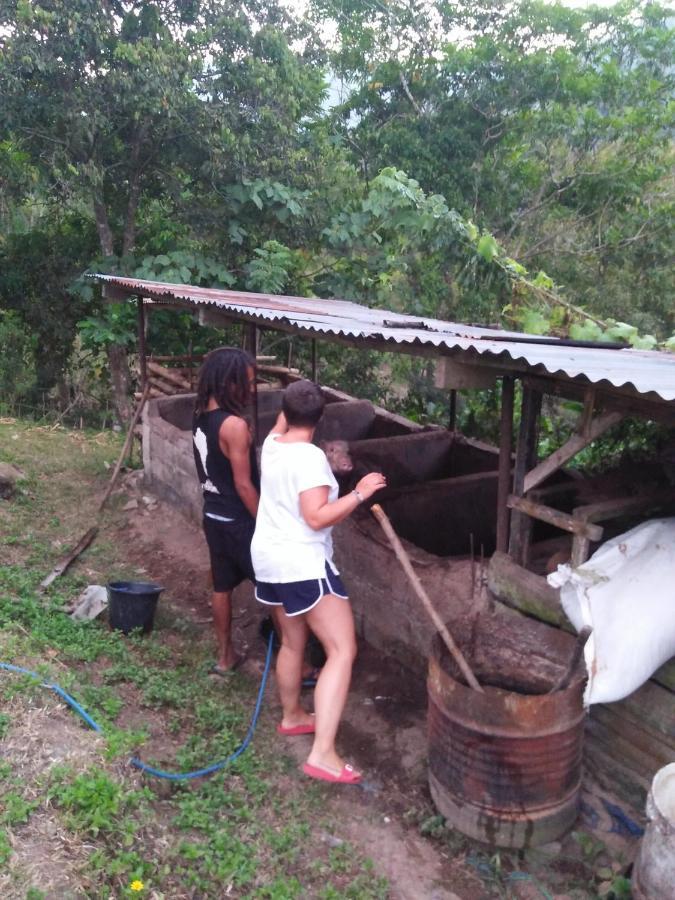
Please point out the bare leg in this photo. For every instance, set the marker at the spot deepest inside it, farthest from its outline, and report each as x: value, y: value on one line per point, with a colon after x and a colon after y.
x: 332, y: 622
x: 221, y: 604
x: 293, y: 631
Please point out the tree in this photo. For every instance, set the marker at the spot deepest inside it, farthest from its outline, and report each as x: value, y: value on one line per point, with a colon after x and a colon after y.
x: 123, y: 104
x: 550, y: 127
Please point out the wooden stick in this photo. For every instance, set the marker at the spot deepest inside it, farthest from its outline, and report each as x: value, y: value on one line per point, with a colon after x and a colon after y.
x: 404, y: 559
x: 66, y: 560
x: 556, y: 518
x: 125, y: 448
x: 168, y: 375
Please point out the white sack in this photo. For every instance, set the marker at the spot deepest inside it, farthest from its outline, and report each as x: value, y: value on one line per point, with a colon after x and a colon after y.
x: 626, y: 593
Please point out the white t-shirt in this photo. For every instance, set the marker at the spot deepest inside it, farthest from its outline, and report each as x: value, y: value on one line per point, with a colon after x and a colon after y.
x: 284, y: 547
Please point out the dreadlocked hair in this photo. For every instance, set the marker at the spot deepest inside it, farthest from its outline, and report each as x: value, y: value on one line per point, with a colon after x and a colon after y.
x: 224, y: 376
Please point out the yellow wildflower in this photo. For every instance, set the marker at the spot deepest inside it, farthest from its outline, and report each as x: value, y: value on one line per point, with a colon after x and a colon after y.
x: 136, y: 885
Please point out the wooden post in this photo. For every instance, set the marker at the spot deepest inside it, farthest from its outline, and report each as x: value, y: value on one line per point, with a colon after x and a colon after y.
x: 141, y: 344
x: 314, y: 366
x: 526, y: 457
x: 505, y: 442
x: 452, y: 418
x: 252, y: 347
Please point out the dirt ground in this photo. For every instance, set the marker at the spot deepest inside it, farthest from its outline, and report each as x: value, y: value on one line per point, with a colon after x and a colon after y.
x: 384, y: 733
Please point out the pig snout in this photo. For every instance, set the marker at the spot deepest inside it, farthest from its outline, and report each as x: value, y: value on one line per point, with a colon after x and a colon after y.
x: 339, y: 457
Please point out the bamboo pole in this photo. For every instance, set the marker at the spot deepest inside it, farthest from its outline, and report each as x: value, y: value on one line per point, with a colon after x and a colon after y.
x: 404, y: 559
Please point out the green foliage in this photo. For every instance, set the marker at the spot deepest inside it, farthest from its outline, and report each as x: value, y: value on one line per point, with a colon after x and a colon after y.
x: 17, y: 362
x: 550, y: 127
x: 36, y: 266
x: 188, y: 143
x: 14, y: 809
x: 5, y: 848
x: 272, y: 268
x: 92, y: 800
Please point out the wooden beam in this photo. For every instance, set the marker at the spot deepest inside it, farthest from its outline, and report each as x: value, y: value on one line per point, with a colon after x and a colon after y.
x: 610, y: 509
x: 626, y: 400
x: 524, y: 590
x: 505, y: 442
x: 450, y: 373
x: 570, y: 448
x: 556, y: 518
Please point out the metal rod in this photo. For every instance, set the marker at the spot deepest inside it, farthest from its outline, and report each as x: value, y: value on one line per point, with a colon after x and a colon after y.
x: 314, y: 368
x: 504, y: 477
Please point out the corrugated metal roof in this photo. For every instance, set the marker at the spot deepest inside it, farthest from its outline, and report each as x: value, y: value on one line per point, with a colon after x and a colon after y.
x: 648, y: 372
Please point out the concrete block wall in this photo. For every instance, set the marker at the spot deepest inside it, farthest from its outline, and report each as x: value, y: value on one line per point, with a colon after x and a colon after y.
x: 168, y: 461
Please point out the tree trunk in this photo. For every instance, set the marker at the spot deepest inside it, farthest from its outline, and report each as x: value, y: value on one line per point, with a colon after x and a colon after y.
x: 105, y: 235
x: 129, y: 235
x: 120, y: 377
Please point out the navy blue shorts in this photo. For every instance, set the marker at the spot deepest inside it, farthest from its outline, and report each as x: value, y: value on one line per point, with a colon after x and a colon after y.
x: 299, y: 597
x: 229, y: 545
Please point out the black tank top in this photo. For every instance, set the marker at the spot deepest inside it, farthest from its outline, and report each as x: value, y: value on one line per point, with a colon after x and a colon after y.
x: 214, y: 468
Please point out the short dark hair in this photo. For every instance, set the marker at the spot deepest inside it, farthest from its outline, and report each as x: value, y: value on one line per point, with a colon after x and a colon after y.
x: 303, y: 403
x: 224, y: 376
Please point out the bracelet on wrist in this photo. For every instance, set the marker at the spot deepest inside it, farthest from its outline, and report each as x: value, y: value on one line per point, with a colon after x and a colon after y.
x: 359, y: 496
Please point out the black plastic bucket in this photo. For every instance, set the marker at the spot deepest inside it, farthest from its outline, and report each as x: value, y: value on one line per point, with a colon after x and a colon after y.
x: 132, y: 604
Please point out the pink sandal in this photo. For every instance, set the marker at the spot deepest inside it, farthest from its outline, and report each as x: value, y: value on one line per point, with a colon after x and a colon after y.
x: 348, y: 775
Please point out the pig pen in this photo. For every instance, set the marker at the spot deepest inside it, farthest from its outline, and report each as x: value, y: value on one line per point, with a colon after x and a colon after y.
x: 441, y: 498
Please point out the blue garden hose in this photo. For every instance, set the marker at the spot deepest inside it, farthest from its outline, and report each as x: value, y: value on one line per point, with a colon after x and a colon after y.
x: 135, y: 761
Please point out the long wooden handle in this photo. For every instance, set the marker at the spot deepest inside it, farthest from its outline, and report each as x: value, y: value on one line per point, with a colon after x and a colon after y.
x: 125, y: 448
x: 404, y: 559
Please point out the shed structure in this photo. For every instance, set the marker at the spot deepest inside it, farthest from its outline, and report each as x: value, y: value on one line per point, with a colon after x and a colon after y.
x: 612, y: 382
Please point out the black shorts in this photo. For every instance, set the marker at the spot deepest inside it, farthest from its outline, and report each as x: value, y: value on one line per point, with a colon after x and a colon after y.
x: 299, y: 597
x: 230, y: 550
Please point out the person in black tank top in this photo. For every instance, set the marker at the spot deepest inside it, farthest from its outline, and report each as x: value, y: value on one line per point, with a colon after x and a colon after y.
x: 228, y: 473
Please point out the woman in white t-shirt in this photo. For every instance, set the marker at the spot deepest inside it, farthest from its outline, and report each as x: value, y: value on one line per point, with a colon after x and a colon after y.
x: 292, y: 553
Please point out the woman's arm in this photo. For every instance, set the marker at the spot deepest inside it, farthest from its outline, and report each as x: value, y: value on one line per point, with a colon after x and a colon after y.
x: 234, y: 440
x: 280, y: 426
x: 319, y: 513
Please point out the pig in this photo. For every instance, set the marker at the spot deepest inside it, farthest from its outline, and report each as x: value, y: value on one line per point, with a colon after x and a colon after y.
x: 339, y: 457
x: 349, y: 464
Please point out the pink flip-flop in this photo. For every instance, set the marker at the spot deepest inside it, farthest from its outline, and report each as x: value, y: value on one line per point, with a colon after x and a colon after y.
x: 296, y: 729
x: 348, y: 775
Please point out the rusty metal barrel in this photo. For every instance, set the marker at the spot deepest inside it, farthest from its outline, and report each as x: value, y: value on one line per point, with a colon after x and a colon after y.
x: 504, y: 765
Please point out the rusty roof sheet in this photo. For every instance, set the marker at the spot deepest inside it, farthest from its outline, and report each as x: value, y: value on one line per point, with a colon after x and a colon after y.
x: 648, y: 372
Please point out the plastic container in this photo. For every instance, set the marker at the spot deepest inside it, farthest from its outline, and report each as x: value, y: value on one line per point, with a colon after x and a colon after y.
x: 654, y: 871
x: 132, y: 604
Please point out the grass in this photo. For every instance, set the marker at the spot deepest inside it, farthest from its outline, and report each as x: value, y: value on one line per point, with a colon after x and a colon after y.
x: 77, y: 821
x: 250, y: 831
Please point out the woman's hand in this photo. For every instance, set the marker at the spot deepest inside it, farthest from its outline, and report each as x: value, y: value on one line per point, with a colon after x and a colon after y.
x: 370, y: 483
x: 281, y: 425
